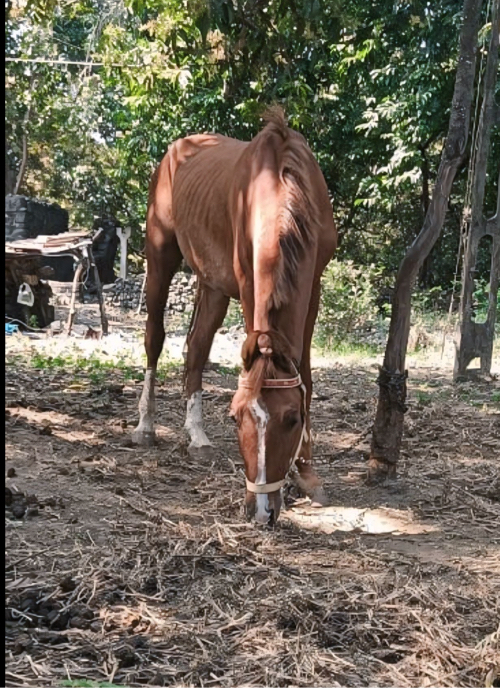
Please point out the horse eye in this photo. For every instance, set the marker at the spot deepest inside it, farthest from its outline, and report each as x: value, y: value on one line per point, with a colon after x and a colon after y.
x: 291, y: 421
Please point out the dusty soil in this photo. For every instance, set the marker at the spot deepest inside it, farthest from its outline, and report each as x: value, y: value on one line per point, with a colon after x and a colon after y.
x: 136, y: 567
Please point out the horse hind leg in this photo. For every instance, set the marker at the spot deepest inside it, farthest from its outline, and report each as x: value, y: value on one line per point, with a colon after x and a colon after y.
x: 210, y: 309
x: 162, y: 263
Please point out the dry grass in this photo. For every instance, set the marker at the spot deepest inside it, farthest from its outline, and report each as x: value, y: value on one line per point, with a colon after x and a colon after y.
x: 136, y: 567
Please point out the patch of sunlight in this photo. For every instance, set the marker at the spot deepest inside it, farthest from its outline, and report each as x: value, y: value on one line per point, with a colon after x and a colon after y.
x: 166, y: 432
x: 61, y: 425
x: 373, y: 521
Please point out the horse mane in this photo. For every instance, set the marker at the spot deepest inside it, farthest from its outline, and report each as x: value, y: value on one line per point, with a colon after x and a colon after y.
x: 297, y: 221
x: 260, y: 367
x: 297, y: 210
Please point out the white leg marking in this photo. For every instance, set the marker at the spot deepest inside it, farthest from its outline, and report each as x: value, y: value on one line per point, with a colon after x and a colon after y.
x: 262, y: 500
x: 194, y: 422
x: 147, y: 406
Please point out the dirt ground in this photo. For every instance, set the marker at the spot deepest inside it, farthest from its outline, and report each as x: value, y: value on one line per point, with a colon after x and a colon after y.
x: 130, y: 566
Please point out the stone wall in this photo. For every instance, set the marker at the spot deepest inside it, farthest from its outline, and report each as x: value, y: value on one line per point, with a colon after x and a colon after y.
x: 126, y: 293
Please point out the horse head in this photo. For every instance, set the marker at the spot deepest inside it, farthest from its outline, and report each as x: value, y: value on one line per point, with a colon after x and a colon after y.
x: 269, y: 410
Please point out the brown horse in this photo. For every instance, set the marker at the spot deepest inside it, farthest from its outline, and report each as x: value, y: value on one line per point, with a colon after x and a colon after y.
x: 254, y: 221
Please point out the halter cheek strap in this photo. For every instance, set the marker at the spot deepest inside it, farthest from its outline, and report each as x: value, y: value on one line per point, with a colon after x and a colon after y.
x: 280, y: 383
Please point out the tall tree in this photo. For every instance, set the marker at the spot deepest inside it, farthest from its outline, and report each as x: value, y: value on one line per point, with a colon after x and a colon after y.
x: 368, y: 84
x: 475, y: 339
x: 388, y: 426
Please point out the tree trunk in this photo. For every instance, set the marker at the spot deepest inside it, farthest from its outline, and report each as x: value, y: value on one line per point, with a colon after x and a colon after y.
x: 388, y: 426
x: 24, y: 162
x: 475, y: 340
x: 10, y: 175
x: 24, y: 159
x: 424, y: 204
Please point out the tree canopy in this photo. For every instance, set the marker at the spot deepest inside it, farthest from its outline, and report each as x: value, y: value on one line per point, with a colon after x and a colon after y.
x: 97, y: 89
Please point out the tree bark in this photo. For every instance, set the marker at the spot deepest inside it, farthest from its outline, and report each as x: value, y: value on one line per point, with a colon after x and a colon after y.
x: 424, y: 204
x: 24, y: 162
x: 473, y: 339
x: 387, y: 429
x: 24, y: 159
x: 10, y: 175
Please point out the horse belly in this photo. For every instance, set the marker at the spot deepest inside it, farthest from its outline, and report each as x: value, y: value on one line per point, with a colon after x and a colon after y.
x: 209, y: 254
x: 203, y: 225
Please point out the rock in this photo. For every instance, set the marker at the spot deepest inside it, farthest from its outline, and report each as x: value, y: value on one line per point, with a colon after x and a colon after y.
x: 67, y: 584
x: 28, y: 604
x: 21, y: 643
x: 60, y: 620
x: 18, y: 510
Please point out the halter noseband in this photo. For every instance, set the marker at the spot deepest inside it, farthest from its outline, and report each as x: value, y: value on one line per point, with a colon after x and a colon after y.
x: 279, y: 383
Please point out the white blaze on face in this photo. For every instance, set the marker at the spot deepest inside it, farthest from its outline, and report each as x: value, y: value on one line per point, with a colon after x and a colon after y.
x: 194, y: 422
x: 262, y: 500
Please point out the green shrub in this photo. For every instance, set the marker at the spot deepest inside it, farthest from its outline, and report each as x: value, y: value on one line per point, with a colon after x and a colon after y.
x: 429, y: 301
x: 348, y: 306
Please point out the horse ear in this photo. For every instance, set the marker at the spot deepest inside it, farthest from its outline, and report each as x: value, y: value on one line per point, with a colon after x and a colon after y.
x: 265, y: 344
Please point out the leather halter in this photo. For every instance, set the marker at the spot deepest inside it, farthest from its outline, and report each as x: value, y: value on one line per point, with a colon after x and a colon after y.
x: 272, y: 382
x: 279, y: 383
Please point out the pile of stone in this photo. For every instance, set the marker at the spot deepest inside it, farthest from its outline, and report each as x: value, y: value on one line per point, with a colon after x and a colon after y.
x: 127, y: 293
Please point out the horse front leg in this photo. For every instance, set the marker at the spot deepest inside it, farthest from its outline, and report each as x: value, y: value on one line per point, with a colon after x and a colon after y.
x: 307, y: 478
x: 162, y: 263
x: 210, y: 310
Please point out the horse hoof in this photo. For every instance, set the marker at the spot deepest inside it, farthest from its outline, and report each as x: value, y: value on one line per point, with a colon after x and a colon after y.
x: 143, y: 439
x: 319, y: 498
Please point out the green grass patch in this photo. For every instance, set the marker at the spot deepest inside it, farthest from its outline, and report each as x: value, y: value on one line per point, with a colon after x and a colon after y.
x: 423, y: 398
x: 228, y: 370
x: 96, y: 367
x: 346, y: 348
x: 234, y: 315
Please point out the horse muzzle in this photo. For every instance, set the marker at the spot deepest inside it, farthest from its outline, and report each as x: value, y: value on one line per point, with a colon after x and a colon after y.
x: 264, y: 509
